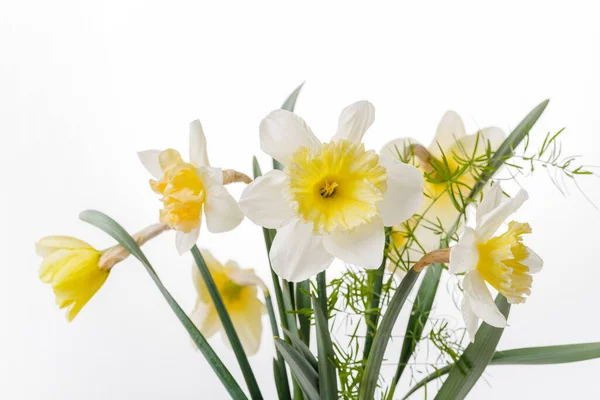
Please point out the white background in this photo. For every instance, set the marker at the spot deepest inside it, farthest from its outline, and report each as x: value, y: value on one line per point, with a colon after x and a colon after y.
x: 84, y: 85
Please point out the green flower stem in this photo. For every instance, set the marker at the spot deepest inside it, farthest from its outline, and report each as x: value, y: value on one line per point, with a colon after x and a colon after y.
x: 373, y: 312
x: 232, y: 335
x: 282, y: 383
x: 322, y: 291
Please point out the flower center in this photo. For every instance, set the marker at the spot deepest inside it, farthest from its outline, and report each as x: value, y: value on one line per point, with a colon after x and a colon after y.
x: 337, y: 186
x: 182, y: 192
x: 501, y: 263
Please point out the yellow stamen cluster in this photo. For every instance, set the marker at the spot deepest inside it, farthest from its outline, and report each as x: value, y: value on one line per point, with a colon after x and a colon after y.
x: 336, y: 186
x: 501, y: 263
x: 182, y: 192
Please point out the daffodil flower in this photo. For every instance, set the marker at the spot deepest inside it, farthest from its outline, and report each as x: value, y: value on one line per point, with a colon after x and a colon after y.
x: 71, y: 266
x: 332, y: 199
x: 504, y: 262
x: 76, y: 270
x: 452, y: 143
x: 238, y: 289
x: 190, y: 189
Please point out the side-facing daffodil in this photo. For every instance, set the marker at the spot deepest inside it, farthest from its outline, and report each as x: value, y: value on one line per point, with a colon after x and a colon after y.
x: 503, y: 261
x: 238, y: 289
x: 332, y: 199
x: 189, y: 189
x: 76, y: 270
x: 447, y: 153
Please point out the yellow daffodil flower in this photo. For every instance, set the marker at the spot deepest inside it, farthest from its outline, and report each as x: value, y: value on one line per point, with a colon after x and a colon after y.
x: 438, y: 208
x: 76, y: 270
x: 504, y: 262
x: 71, y: 266
x: 332, y: 199
x: 238, y: 289
x: 190, y: 189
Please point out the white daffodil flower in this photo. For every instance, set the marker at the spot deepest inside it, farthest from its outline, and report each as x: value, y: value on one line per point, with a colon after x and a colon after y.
x: 239, y: 290
x: 332, y: 199
x: 452, y: 142
x: 190, y: 189
x: 502, y: 261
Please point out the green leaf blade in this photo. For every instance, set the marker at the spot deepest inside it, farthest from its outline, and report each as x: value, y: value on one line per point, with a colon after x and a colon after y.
x: 111, y: 227
x: 327, y: 372
x: 304, y: 373
x: 475, y: 359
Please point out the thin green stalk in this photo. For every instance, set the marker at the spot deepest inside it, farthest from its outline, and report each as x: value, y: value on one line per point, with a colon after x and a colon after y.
x: 232, y: 335
x: 283, y: 386
x: 303, y: 303
x: 373, y: 312
x: 322, y: 292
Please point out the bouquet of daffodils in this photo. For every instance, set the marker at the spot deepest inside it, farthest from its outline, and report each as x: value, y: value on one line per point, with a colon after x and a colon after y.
x: 398, y: 220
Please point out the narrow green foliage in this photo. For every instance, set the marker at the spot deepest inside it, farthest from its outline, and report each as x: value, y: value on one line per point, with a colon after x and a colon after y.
x: 108, y: 225
x: 475, y: 359
x: 304, y: 310
x: 327, y: 371
x: 303, y: 372
x: 302, y: 348
x: 383, y: 334
x: 279, y: 369
x: 232, y: 335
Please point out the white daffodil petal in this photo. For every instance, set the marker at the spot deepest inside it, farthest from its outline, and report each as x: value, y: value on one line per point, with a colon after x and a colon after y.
x: 492, y: 137
x: 282, y: 133
x: 399, y: 149
x: 449, y: 130
x: 263, y: 201
x: 149, y: 159
x: 533, y: 262
x: 198, y: 149
x: 247, y: 322
x: 355, y: 120
x: 471, y: 320
x: 362, y: 246
x: 297, y: 253
x: 206, y: 319
x: 185, y: 241
x: 490, y: 202
x: 404, y: 194
x: 490, y: 223
x: 222, y: 211
x: 480, y: 300
x: 464, y: 256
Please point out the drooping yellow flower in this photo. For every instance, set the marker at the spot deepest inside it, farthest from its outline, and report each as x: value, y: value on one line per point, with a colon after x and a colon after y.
x: 76, y: 270
x: 71, y: 266
x: 238, y: 289
x: 190, y: 189
x: 503, y: 261
x: 451, y: 143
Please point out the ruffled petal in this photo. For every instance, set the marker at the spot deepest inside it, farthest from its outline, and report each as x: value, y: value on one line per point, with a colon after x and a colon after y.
x: 297, y: 253
x: 263, y: 201
x: 362, y: 246
x: 198, y: 148
x: 404, y: 194
x: 282, y: 133
x: 464, y: 256
x: 355, y: 120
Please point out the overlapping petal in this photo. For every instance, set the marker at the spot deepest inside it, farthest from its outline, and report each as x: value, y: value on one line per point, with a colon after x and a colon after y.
x: 355, y: 120
x: 362, y: 246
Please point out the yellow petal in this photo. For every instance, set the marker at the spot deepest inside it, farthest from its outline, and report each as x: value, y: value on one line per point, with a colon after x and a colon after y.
x: 247, y: 321
x: 49, y: 244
